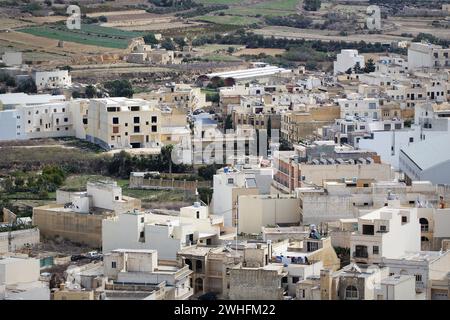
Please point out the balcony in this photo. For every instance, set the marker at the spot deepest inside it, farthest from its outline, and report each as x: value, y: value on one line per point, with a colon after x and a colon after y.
x: 360, y: 255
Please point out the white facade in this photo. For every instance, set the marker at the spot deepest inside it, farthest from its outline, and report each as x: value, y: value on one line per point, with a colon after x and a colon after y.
x: 164, y: 233
x: 230, y: 183
x: 388, y: 232
x: 355, y: 105
x: 423, y: 266
x: 141, y: 267
x: 347, y: 59
x: 52, y: 79
x: 17, y: 270
x: 425, y: 55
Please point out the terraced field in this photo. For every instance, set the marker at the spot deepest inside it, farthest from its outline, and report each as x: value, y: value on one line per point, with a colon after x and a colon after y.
x: 88, y: 34
x: 229, y: 20
x: 244, y: 12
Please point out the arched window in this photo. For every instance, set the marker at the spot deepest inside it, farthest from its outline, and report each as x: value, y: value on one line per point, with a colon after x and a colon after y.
x: 423, y: 224
x: 198, y: 266
x: 189, y: 263
x: 351, y: 293
x: 198, y: 285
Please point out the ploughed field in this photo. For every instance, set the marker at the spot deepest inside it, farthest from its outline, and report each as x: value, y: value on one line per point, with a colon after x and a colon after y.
x: 88, y: 34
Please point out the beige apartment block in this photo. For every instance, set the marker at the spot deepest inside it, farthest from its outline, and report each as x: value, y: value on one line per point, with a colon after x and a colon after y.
x: 117, y: 123
x: 296, y: 126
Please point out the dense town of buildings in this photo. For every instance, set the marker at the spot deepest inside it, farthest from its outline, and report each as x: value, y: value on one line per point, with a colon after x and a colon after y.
x: 349, y: 201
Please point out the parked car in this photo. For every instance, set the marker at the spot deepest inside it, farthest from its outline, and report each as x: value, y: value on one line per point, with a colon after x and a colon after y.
x: 77, y: 257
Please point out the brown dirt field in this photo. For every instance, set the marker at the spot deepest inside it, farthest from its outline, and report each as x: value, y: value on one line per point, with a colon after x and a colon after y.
x: 49, y: 19
x: 120, y: 13
x: 6, y: 23
x: 256, y: 51
x: 50, y: 45
x: 416, y: 26
x: 163, y: 26
x: 325, y: 35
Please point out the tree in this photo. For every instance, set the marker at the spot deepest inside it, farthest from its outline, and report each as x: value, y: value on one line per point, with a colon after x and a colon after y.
x: 370, y: 66
x: 207, y: 172
x: 269, y: 127
x: 180, y: 42
x: 103, y: 19
x: 231, y: 49
x: 312, y: 5
x: 119, y: 88
x: 90, y: 91
x: 27, y: 86
x: 168, y: 44
x: 150, y: 39
x: 76, y: 94
x: 166, y: 154
x: 228, y: 123
x: 357, y: 68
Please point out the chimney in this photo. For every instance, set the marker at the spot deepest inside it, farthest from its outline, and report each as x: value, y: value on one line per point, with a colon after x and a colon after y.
x: 325, y: 284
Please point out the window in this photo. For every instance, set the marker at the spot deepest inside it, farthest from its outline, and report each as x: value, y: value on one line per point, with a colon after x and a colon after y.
x: 368, y: 229
x: 303, y: 293
x: 198, y: 214
x: 141, y: 234
x: 113, y: 265
x: 376, y: 250
x: 136, y: 120
x: 142, y: 220
x: 383, y: 228
x: 418, y: 277
x: 351, y: 293
x: 154, y: 119
x: 115, y: 120
x: 312, y: 246
x: 423, y: 224
x: 295, y: 279
x: 115, y: 129
x: 154, y: 128
x: 66, y: 119
x: 404, y: 219
x: 230, y: 181
x: 116, y: 198
x: 137, y: 129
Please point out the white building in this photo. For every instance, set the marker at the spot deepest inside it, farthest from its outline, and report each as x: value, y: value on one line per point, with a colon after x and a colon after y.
x: 230, y: 183
x: 423, y: 265
x: 167, y: 234
x: 358, y: 106
x: 12, y: 100
x: 141, y: 267
x: 388, y: 232
x: 19, y: 279
x: 52, y: 79
x: 426, y: 55
x: 347, y: 59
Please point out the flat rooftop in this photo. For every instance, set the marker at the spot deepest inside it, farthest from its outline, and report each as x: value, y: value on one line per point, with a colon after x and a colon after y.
x: 249, y: 73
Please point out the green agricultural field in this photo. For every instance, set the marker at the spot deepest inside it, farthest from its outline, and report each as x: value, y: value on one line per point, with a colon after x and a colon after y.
x: 88, y: 35
x: 268, y: 8
x: 227, y: 2
x: 229, y: 20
